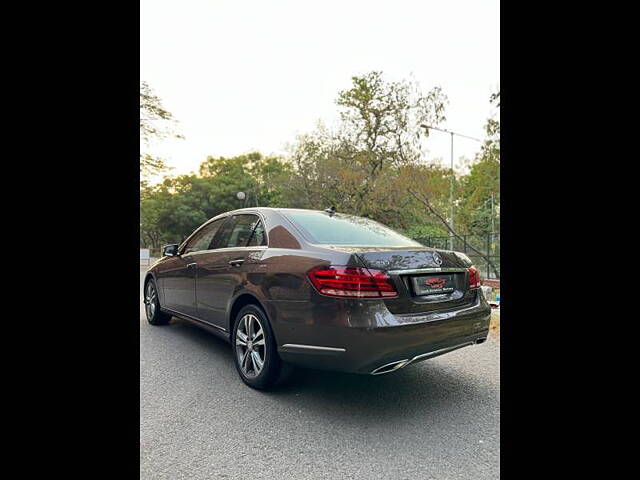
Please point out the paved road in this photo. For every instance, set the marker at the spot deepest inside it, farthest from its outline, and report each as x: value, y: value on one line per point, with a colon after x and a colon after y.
x: 439, y: 419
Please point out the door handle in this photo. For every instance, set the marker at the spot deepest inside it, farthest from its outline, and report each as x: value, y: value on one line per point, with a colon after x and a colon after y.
x: 237, y: 262
x: 191, y: 265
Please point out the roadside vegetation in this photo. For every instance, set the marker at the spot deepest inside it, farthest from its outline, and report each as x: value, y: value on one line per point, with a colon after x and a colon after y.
x: 494, y: 325
x: 372, y: 164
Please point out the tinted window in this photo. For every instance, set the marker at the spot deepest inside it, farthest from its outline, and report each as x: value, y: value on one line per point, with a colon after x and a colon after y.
x: 204, y: 238
x: 258, y: 237
x: 340, y: 229
x: 237, y: 232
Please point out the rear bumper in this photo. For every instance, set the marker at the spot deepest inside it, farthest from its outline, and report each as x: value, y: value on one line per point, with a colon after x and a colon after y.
x: 398, y: 364
x: 364, y: 337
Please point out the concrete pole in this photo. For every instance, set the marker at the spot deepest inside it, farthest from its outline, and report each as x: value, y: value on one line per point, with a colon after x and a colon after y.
x: 451, y: 196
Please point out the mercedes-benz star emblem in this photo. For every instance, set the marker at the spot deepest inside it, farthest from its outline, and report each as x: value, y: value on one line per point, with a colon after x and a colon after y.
x: 437, y: 259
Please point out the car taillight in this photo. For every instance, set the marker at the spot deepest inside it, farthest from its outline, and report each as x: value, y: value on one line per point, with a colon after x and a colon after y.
x: 474, y: 278
x: 352, y: 282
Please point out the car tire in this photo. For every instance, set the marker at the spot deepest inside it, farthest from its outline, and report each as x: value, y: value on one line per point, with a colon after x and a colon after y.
x: 155, y: 316
x: 260, y: 367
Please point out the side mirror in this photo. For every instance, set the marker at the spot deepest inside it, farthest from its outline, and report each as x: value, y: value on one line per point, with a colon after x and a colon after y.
x: 170, y: 250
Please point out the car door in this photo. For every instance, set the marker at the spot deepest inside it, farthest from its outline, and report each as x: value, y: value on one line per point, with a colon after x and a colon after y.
x: 179, y: 278
x: 223, y: 270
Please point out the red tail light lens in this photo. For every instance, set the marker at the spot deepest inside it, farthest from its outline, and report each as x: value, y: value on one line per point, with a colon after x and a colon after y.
x: 474, y: 278
x: 353, y: 282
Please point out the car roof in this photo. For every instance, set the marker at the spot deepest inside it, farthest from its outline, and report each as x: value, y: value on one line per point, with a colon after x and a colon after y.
x: 253, y: 209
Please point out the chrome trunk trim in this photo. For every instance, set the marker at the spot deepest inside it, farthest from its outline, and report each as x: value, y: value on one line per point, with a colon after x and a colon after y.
x: 427, y: 270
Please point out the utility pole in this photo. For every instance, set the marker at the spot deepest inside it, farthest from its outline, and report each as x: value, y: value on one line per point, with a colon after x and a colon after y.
x: 493, y: 226
x: 451, y: 196
x: 427, y: 127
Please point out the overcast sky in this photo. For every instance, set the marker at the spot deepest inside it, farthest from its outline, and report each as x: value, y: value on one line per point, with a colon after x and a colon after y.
x: 249, y: 75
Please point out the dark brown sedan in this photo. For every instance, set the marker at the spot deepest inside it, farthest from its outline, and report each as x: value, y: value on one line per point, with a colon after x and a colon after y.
x: 317, y: 289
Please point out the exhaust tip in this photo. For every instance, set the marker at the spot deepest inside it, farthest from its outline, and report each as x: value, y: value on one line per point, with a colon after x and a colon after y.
x: 479, y: 341
x: 390, y: 367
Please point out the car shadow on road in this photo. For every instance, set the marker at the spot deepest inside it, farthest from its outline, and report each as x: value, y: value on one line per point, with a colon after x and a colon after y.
x: 202, y: 338
x: 426, y: 387
x: 420, y: 388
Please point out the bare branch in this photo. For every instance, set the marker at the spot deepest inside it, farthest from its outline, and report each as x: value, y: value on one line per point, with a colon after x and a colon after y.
x: 425, y: 201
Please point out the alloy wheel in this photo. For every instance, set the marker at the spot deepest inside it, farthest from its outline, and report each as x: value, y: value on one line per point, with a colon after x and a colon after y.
x: 150, y: 300
x: 250, y: 345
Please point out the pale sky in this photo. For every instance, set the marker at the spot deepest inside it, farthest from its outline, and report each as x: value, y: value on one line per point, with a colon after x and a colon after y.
x: 245, y: 75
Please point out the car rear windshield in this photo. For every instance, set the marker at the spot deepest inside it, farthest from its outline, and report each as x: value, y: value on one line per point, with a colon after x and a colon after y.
x: 340, y: 229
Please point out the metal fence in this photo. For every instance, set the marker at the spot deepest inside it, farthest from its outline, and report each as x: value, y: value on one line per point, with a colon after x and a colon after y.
x: 488, y: 244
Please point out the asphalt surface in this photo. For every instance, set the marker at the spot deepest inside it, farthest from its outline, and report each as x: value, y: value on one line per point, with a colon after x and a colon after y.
x: 439, y: 419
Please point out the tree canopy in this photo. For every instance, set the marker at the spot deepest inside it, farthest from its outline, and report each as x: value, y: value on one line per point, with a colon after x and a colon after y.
x: 155, y: 124
x: 370, y: 164
x: 172, y: 209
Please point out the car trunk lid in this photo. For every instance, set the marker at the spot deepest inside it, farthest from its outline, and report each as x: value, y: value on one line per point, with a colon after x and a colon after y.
x: 427, y: 279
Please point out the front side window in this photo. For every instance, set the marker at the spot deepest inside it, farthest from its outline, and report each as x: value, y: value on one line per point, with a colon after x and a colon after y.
x: 238, y: 231
x: 204, y: 238
x: 340, y: 229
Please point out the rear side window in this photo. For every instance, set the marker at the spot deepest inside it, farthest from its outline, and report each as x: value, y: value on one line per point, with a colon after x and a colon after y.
x: 258, y: 237
x: 239, y: 230
x: 349, y: 230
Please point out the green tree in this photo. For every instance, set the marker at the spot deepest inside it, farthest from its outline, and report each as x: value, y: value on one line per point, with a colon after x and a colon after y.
x: 479, y: 191
x: 355, y: 167
x: 172, y: 209
x: 225, y: 177
x: 475, y: 188
x: 371, y: 164
x: 272, y: 176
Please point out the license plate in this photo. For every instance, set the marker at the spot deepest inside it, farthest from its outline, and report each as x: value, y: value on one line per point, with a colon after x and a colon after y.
x: 433, y: 284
